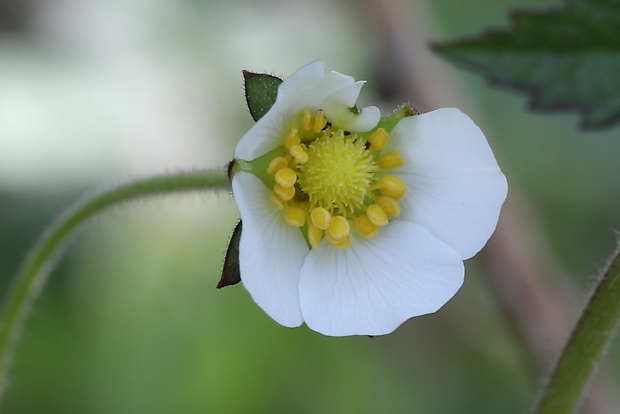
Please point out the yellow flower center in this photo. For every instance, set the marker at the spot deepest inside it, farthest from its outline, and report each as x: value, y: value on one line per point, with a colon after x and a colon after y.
x: 330, y: 181
x: 338, y: 172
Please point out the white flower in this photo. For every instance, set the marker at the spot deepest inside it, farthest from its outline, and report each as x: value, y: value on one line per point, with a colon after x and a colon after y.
x: 349, y: 226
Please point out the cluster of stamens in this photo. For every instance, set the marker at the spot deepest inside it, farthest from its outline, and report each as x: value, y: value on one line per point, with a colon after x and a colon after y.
x: 329, y: 180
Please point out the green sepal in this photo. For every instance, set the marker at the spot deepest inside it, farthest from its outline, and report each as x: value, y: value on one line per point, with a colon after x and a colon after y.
x: 261, y: 91
x: 402, y: 112
x: 231, y: 274
x: 388, y: 123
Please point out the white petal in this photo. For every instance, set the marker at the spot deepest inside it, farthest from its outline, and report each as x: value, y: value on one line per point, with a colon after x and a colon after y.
x: 337, y: 104
x: 309, y: 75
x: 311, y: 95
x: 455, y: 188
x: 271, y: 253
x: 346, y: 96
x: 266, y: 135
x: 334, y: 81
x: 375, y: 285
x: 365, y: 120
x: 305, y: 89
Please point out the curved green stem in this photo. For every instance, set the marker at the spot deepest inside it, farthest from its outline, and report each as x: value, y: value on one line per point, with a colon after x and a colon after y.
x: 38, y: 263
x: 587, y: 344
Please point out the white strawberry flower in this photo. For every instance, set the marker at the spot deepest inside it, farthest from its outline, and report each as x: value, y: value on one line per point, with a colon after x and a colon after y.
x: 353, y: 224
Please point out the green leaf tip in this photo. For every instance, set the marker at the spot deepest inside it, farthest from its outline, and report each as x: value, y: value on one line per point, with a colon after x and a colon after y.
x: 231, y: 275
x: 565, y: 58
x: 261, y: 91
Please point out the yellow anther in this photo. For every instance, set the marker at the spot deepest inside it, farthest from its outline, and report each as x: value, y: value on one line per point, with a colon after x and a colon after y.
x: 389, y: 205
x: 319, y: 121
x: 390, y: 159
x: 315, y: 235
x: 276, y: 164
x: 393, y: 187
x: 292, y: 139
x: 379, y: 139
x: 320, y: 217
x: 300, y: 154
x: 343, y: 243
x: 295, y: 216
x: 338, y: 228
x: 306, y: 120
x: 285, y: 193
x: 277, y: 200
x: 286, y: 177
x: 365, y: 227
x: 377, y: 215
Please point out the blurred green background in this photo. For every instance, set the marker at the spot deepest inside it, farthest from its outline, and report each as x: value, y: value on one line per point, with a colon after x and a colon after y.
x: 93, y: 93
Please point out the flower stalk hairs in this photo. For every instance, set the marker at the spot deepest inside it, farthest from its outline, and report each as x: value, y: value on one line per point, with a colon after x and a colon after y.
x: 353, y: 223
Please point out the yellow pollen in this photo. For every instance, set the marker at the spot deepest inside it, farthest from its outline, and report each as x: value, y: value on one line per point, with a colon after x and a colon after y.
x: 338, y: 228
x: 320, y: 217
x: 393, y: 187
x: 365, y: 228
x: 295, y: 216
x: 389, y: 205
x: 377, y: 215
x: 276, y: 164
x: 379, y: 139
x: 285, y: 193
x: 390, y: 159
x: 286, y: 177
x: 299, y: 153
x: 291, y: 139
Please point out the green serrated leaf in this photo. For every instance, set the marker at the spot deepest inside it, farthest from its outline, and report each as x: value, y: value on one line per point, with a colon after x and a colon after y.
x: 261, y: 91
x: 231, y: 275
x: 567, y: 58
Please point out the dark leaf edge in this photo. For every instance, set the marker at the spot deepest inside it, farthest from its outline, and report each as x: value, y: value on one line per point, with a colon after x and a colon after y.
x: 584, y: 110
x: 231, y: 274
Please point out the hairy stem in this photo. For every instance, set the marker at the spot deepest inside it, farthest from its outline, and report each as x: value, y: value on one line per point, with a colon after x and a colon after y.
x: 586, y: 346
x: 37, y: 265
